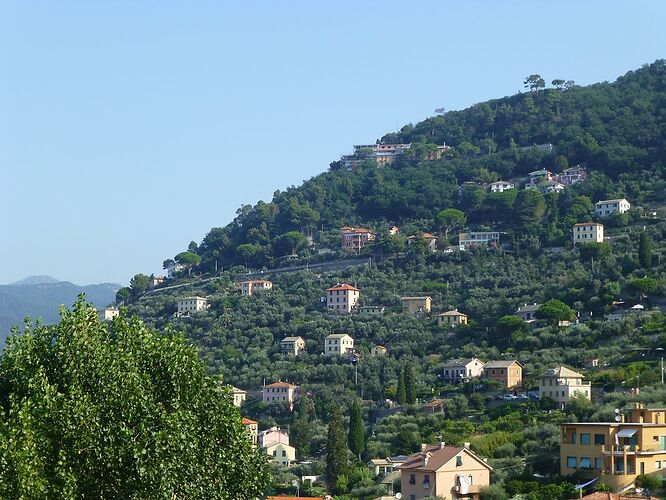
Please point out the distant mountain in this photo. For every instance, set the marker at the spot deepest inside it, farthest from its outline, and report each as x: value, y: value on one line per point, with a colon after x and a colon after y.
x: 42, y: 296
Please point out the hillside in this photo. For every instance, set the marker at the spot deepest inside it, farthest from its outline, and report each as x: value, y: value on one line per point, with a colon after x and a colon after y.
x: 42, y: 296
x: 615, y: 131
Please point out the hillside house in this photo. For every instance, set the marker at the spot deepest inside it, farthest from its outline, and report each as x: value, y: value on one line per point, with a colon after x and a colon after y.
x: 281, y: 454
x: 337, y: 344
x: 416, y: 305
x: 384, y: 466
x: 384, y: 154
x: 273, y: 436
x: 434, y: 406
x: 379, y: 350
x: 508, y: 373
x: 451, y: 318
x: 444, y: 472
x: 156, y: 281
x: 588, y: 232
x: 538, y: 177
x: 605, y: 208
x: 239, y: 396
x: 280, y: 391
x: 552, y: 187
x: 252, y: 429
x: 430, y: 240
x: 461, y: 369
x: 250, y: 287
x: 500, y: 186
x: 395, y: 230
x: 292, y: 346
x: 475, y: 239
x: 616, y: 452
x: 190, y: 305
x: 175, y: 268
x: 561, y: 384
x: 572, y: 175
x: 371, y: 310
x: 527, y: 312
x: 355, y: 238
x: 342, y: 298
x: 108, y: 313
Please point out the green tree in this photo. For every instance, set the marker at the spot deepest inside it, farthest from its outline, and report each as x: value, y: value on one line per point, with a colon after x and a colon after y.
x: 651, y: 483
x: 555, y: 311
x: 644, y: 286
x: 139, y: 284
x: 356, y: 430
x: 558, y: 83
x: 188, y: 258
x: 410, y: 385
x: 337, y: 463
x: 290, y: 243
x: 402, y: 391
x: 450, y: 219
x: 493, y: 492
x: 98, y: 411
x: 529, y: 207
x: 123, y: 295
x: 645, y: 250
x: 302, y: 428
x: 534, y: 83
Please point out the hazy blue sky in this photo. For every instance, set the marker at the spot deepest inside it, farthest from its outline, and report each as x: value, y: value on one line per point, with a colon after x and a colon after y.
x: 129, y: 128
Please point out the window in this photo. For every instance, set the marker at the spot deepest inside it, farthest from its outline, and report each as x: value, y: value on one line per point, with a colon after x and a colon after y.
x: 585, y: 463
x: 459, y: 461
x: 426, y: 480
x: 571, y: 462
x: 657, y: 465
x: 412, y: 479
x: 599, y: 439
x: 573, y: 438
x: 598, y: 463
x: 585, y: 438
x: 284, y: 453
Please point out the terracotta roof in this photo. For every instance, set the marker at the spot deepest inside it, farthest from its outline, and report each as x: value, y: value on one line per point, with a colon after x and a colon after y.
x: 438, y: 456
x: 501, y: 364
x: 343, y: 286
x: 355, y: 230
x: 247, y: 421
x: 282, y: 384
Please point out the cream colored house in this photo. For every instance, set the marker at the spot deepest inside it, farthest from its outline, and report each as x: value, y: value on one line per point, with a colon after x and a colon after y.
x: 156, y: 281
x: 379, y: 350
x: 561, y: 384
x: 250, y: 287
x: 616, y: 452
x: 252, y: 429
x: 416, y: 305
x: 451, y: 318
x: 500, y: 186
x: 239, y: 396
x: 273, y: 436
x: 383, y: 466
x: 371, y: 310
x: 342, y: 298
x: 338, y: 343
x: 280, y: 391
x: 292, y: 345
x: 189, y: 305
x: 475, y: 239
x: 588, y: 232
x: 451, y: 472
x: 108, y: 313
x: 462, y: 369
x: 281, y: 454
x: 604, y: 208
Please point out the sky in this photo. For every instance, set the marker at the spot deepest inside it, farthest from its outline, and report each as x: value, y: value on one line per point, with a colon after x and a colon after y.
x: 130, y: 128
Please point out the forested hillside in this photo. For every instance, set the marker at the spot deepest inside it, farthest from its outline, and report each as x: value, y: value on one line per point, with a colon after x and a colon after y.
x: 617, y: 131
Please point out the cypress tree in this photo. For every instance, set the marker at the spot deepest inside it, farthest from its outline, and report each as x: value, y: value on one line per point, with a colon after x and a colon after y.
x: 410, y: 385
x: 645, y: 250
x: 402, y: 393
x: 356, y: 431
x: 301, y: 428
x: 336, y: 448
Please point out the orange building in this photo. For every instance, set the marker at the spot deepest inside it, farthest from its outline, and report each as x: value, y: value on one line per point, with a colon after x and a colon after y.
x: 508, y: 373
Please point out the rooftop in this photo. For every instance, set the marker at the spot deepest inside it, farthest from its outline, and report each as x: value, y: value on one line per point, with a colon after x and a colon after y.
x: 611, y: 201
x: 501, y: 364
x: 561, y: 371
x: 282, y: 384
x: 437, y: 456
x: 247, y: 421
x: 588, y: 224
x: 455, y: 312
x: 291, y: 339
x: 337, y: 336
x: 461, y: 361
x: 343, y: 286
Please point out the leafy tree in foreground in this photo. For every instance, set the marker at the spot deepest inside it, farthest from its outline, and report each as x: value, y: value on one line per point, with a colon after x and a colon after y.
x: 356, y: 431
x: 97, y: 411
x: 336, y: 450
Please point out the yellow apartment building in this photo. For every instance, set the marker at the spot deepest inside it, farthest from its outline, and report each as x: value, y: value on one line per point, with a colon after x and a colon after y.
x: 416, y: 305
x: 616, y: 452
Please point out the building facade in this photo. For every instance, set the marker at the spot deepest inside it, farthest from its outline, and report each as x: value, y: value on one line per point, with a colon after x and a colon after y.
x: 616, y: 452
x: 604, y: 208
x: 416, y: 305
x: 572, y: 175
x: 500, y: 186
x: 527, y: 312
x: 508, y: 373
x: 342, y: 298
x: 239, y: 396
x: 588, y: 232
x: 337, y: 344
x: 292, y: 345
x: 252, y: 429
x: 355, y: 238
x: 562, y: 384
x: 279, y: 391
x: 189, y: 305
x: 451, y: 318
x: 108, y: 313
x: 442, y: 471
x: 477, y: 239
x: 252, y: 286
x: 461, y: 369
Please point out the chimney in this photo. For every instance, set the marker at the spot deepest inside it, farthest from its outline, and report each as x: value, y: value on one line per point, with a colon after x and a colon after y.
x: 426, y: 457
x: 423, y: 447
x: 466, y: 445
x: 442, y: 444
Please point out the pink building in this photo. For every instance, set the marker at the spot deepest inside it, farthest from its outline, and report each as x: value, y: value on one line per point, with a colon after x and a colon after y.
x: 355, y: 238
x: 572, y: 175
x: 272, y: 436
x: 280, y: 391
x: 251, y: 286
x: 342, y: 298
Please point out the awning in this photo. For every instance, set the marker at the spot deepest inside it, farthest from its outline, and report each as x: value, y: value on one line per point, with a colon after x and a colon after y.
x: 626, y: 433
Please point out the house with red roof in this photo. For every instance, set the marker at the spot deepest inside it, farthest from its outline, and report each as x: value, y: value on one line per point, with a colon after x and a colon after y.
x: 280, y: 391
x: 342, y: 298
x: 355, y: 238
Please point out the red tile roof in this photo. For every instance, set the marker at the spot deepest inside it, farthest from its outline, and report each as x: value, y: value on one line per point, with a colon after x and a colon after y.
x: 439, y: 456
x: 344, y: 286
x: 282, y: 384
x: 247, y: 421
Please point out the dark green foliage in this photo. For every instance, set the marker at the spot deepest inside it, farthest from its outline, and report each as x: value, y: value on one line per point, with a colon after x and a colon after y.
x: 493, y: 492
x: 302, y: 427
x: 93, y: 411
x: 645, y: 250
x: 402, y: 389
x: 650, y: 482
x: 356, y: 430
x: 555, y: 311
x: 337, y: 462
x: 410, y: 385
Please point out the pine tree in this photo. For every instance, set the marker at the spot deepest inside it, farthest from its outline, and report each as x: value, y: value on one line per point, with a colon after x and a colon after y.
x: 301, y: 428
x: 645, y: 250
x: 402, y: 393
x: 336, y: 449
x: 410, y: 385
x: 356, y: 431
